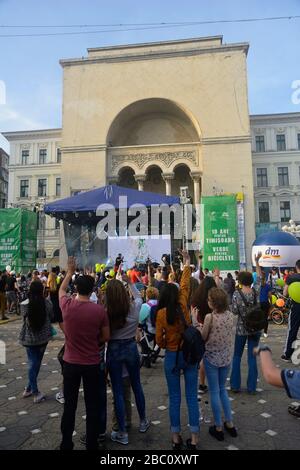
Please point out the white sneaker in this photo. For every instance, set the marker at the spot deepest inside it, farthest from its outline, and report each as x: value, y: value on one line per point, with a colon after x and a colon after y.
x: 265, y: 335
x: 39, y: 398
x: 60, y: 398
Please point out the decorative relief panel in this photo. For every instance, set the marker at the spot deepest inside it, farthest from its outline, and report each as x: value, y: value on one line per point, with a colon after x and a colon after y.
x: 141, y: 159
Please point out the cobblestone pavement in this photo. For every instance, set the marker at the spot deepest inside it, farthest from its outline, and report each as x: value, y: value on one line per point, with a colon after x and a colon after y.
x: 262, y: 420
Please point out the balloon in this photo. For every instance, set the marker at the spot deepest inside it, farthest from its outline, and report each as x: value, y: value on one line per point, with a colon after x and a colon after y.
x: 112, y: 273
x: 128, y: 272
x: 280, y: 282
x: 8, y: 268
x: 274, y: 299
x: 294, y: 292
x: 280, y: 303
x: 98, y: 267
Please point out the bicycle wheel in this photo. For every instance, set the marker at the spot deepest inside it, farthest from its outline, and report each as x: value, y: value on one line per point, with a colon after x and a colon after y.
x: 277, y: 317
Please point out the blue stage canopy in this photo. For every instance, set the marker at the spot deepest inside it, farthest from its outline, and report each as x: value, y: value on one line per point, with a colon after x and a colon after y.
x: 89, y: 201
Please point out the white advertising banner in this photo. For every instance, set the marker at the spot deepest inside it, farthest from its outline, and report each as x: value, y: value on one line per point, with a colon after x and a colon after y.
x: 276, y: 255
x: 138, y: 249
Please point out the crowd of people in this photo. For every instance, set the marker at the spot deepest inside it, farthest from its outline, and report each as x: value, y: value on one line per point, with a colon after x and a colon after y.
x: 101, y: 313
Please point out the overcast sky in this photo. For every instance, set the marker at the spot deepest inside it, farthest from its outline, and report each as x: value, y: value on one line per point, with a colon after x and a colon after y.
x: 33, y: 77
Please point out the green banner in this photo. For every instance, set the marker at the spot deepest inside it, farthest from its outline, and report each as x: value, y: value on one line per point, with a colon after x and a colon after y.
x: 18, y: 237
x: 220, y: 233
x: 28, y: 241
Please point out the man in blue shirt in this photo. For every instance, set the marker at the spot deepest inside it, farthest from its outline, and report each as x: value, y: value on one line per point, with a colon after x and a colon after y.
x: 286, y: 378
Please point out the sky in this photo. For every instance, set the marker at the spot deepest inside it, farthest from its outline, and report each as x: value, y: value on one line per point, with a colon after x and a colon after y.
x: 32, y: 77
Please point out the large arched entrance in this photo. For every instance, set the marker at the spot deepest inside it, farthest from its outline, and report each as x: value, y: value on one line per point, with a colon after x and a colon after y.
x: 160, y: 142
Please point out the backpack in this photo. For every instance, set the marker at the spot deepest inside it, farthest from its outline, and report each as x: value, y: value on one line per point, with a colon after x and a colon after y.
x: 255, y: 318
x: 192, y: 344
x: 153, y: 312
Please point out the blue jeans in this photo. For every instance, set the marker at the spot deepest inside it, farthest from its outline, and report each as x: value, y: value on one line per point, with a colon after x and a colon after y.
x: 191, y: 389
x: 235, y: 379
x: 216, y: 378
x: 119, y: 353
x: 35, y: 356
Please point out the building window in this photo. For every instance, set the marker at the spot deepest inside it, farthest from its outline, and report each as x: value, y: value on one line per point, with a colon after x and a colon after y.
x: 283, y: 176
x: 263, y: 212
x: 24, y: 188
x: 298, y: 137
x: 56, y: 254
x: 41, y: 254
x: 57, y: 224
x: 260, y: 143
x: 42, y: 187
x: 58, y: 156
x: 43, y: 156
x: 58, y: 187
x: 262, y: 177
x: 280, y: 138
x: 285, y: 211
x: 25, y: 157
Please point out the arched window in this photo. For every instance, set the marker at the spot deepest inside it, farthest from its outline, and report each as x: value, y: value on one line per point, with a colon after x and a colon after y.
x: 41, y: 254
x: 56, y: 254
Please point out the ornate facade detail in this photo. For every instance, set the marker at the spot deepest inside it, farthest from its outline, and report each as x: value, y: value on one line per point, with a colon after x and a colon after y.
x: 141, y: 159
x: 280, y: 130
x: 43, y: 146
x: 168, y: 176
x: 196, y: 175
x: 259, y: 131
x: 140, y: 178
x: 25, y: 146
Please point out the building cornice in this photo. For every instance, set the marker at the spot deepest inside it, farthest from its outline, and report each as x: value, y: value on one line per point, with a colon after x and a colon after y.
x: 33, y: 134
x: 274, y: 153
x: 168, y: 53
x: 226, y: 140
x: 156, y: 43
x: 35, y: 166
x: 277, y: 118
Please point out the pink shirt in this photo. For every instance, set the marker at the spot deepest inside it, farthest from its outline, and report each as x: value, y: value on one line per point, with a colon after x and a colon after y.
x: 83, y: 322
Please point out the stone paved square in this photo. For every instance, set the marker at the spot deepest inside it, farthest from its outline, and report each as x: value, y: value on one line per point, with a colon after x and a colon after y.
x: 262, y: 420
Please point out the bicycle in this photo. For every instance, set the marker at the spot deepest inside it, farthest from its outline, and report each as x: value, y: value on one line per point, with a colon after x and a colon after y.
x: 149, y: 351
x: 280, y: 315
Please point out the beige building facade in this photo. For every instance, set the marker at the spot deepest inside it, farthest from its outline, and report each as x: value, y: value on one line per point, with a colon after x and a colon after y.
x: 34, y: 180
x: 158, y: 116
x: 153, y: 117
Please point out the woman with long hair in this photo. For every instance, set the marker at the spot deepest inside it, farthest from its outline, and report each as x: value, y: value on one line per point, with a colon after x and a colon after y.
x: 172, y: 315
x: 217, y: 332
x: 53, y: 288
x: 35, y: 334
x: 199, y: 301
x: 123, y: 303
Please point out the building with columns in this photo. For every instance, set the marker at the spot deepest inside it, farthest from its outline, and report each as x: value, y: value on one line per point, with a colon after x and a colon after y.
x: 156, y: 117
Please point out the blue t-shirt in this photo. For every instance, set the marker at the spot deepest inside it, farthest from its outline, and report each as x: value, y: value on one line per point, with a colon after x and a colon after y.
x: 264, y: 293
x: 291, y: 381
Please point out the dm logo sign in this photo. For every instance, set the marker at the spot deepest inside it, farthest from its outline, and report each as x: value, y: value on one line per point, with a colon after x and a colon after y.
x: 278, y: 249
